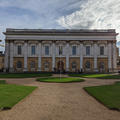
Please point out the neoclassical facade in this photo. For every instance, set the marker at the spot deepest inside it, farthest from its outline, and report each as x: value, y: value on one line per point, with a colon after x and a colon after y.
x: 70, y: 50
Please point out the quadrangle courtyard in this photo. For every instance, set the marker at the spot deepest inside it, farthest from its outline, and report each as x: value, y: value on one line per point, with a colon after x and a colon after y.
x: 59, y: 101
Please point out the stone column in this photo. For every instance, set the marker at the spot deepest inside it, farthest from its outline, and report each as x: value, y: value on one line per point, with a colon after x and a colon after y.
x: 53, y: 56
x: 11, y: 57
x: 95, y: 57
x: 81, y: 57
x: 67, y: 57
x: 25, y: 56
x: 39, y: 56
x: 114, y: 57
x: 6, y: 56
x: 109, y: 57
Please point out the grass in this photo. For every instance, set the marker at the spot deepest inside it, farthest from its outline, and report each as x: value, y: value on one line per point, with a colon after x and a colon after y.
x: 99, y: 76
x: 24, y: 75
x: 12, y: 94
x: 109, y: 95
x: 60, y: 80
x: 2, y: 82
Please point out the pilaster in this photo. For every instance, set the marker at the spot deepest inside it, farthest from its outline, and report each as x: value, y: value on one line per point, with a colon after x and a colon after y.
x: 25, y: 56
x: 39, y: 56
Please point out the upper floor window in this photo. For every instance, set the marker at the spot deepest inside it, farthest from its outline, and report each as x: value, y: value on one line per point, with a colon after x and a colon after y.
x: 87, y: 50
x: 33, y: 50
x: 74, y: 50
x: 101, y: 50
x: 60, y: 50
x: 19, y: 50
x: 46, y: 50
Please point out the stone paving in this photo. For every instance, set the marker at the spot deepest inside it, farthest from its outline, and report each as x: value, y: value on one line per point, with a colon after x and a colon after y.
x: 59, y: 101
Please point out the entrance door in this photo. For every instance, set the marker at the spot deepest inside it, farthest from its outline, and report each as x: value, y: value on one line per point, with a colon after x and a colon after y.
x: 60, y: 66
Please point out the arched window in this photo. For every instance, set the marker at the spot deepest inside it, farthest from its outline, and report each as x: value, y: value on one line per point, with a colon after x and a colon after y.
x: 32, y: 64
x: 19, y: 64
x: 87, y: 65
x: 74, y: 65
x: 46, y: 65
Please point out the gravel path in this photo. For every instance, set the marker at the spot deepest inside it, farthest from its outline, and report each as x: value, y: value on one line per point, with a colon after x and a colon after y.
x: 59, y: 101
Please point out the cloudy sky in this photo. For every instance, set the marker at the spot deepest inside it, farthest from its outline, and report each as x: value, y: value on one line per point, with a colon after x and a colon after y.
x: 62, y: 14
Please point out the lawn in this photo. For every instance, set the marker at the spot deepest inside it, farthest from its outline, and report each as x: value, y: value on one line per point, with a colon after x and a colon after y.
x: 60, y: 80
x: 99, y: 76
x: 12, y: 94
x: 2, y: 82
x: 24, y: 75
x: 109, y: 95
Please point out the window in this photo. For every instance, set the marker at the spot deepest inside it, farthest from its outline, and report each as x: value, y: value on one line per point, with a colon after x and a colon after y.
x: 87, y: 50
x: 33, y: 50
x: 19, y: 64
x: 19, y: 50
x: 60, y: 50
x: 101, y: 65
x: 73, y: 50
x: 101, y: 50
x: 74, y: 65
x: 32, y: 64
x: 46, y: 66
x: 46, y: 50
x: 87, y: 65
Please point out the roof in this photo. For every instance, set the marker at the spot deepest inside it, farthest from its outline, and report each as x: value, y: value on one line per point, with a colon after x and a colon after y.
x: 61, y: 30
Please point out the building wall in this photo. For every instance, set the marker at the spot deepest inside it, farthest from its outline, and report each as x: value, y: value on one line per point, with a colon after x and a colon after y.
x: 1, y: 62
x: 67, y: 41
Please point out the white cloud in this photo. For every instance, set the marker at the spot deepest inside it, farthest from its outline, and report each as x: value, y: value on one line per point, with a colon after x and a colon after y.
x: 94, y: 14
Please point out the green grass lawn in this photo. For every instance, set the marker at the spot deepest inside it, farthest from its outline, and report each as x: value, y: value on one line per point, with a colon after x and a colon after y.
x: 2, y: 82
x: 24, y: 75
x: 109, y: 95
x: 12, y: 94
x: 99, y: 76
x: 60, y: 80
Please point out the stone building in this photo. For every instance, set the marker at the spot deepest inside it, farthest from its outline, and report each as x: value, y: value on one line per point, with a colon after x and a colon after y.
x: 70, y: 50
x: 1, y: 61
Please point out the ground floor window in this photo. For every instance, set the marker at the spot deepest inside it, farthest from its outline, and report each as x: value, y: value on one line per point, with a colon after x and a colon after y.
x: 32, y: 64
x: 102, y: 66
x: 87, y: 65
x: 74, y: 66
x: 46, y: 66
x: 19, y: 64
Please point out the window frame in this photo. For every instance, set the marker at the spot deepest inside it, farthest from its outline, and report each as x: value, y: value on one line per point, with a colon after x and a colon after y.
x: 47, y: 50
x: 88, y: 53
x: 74, y: 51
x: 19, y: 49
x: 31, y: 64
x: 33, y: 51
x: 102, y: 51
x: 17, y: 65
x: 88, y: 68
x: 60, y: 52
